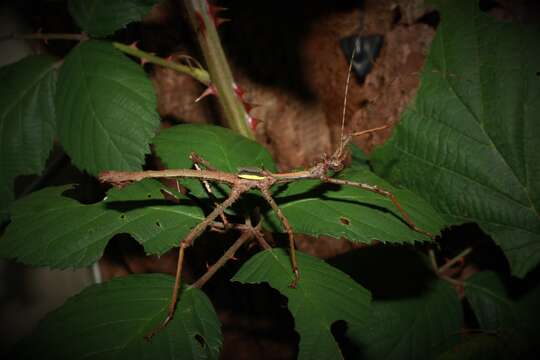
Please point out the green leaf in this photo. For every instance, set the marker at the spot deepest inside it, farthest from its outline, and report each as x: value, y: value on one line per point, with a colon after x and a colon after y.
x: 106, y: 109
x: 359, y: 215
x: 515, y: 317
x: 469, y: 142
x: 110, y: 320
x: 103, y: 17
x: 490, y: 301
x: 323, y: 295
x: 50, y: 229
x: 224, y: 149
x: 27, y: 121
x: 418, y: 327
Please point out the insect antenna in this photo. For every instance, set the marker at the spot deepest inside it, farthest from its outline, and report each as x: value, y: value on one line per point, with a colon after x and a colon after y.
x: 342, y: 143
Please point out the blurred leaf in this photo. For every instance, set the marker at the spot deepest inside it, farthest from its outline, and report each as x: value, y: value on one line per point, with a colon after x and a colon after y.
x: 323, y: 296
x: 103, y: 17
x: 469, y: 142
x: 50, y: 229
x: 106, y: 108
x: 110, y: 320
x: 27, y: 121
x: 418, y: 327
x: 480, y: 347
x: 514, y: 317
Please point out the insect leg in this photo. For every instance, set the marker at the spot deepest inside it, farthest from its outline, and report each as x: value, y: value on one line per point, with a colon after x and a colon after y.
x: 187, y: 242
x: 388, y: 194
x: 268, y: 197
x: 197, y: 161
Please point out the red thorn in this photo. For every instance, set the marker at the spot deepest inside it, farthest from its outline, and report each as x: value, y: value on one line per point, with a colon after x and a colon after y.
x: 233, y: 258
x: 239, y: 91
x: 252, y: 122
x: 134, y: 45
x: 218, y: 21
x: 170, y: 58
x: 210, y: 90
x: 144, y: 61
x: 213, y: 10
x: 250, y: 106
x: 207, y: 266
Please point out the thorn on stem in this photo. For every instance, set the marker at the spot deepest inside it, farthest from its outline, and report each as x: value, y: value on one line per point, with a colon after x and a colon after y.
x: 210, y: 90
x: 213, y: 10
x: 238, y: 90
x: 252, y: 122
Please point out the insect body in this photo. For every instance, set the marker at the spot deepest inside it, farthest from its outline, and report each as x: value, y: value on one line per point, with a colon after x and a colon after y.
x: 244, y: 181
x: 250, y: 179
x: 251, y: 173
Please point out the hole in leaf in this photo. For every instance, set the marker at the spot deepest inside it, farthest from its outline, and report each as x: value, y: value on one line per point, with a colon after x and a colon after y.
x: 200, y: 340
x: 123, y: 217
x: 538, y: 73
x: 158, y: 224
x: 149, y: 196
x: 344, y: 221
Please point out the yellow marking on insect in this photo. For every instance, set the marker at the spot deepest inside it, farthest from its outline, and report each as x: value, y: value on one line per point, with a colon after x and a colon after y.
x: 251, y: 176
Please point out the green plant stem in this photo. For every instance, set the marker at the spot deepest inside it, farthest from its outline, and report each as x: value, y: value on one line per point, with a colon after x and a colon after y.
x: 220, y: 72
x: 454, y: 260
x: 198, y: 74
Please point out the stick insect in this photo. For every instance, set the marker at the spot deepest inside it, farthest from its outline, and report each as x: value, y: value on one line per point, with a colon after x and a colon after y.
x: 254, y: 179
